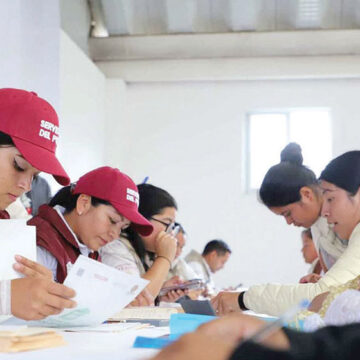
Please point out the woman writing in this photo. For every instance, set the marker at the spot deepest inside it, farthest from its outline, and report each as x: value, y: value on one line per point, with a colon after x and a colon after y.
x: 28, y: 134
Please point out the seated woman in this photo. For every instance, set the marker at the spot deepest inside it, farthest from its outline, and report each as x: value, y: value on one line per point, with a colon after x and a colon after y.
x: 291, y: 190
x: 340, y: 183
x: 24, y: 152
x: 85, y: 216
x: 149, y: 256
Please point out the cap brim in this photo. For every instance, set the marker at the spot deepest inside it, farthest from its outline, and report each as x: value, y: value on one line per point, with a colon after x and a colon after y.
x: 42, y: 159
x: 138, y: 222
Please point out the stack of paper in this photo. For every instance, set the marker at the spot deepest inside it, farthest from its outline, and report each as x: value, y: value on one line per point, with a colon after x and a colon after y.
x: 24, y: 339
x: 158, y: 316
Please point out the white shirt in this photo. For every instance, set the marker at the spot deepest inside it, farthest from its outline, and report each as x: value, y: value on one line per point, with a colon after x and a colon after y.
x: 181, y: 268
x: 121, y: 255
x: 197, y: 262
x: 47, y: 259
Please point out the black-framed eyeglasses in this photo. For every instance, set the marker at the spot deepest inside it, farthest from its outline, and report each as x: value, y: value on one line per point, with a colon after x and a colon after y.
x: 167, y: 226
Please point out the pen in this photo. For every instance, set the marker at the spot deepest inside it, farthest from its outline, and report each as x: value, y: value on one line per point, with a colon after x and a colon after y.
x: 269, y: 328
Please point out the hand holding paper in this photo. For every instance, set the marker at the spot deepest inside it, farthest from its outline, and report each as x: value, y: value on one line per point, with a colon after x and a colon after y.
x: 101, y: 291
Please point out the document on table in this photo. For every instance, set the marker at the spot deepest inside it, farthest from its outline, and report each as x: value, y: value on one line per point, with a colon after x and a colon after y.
x: 107, y: 328
x: 101, y: 291
x: 16, y: 239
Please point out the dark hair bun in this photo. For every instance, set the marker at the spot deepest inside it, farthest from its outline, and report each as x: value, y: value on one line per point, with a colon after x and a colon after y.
x: 292, y: 153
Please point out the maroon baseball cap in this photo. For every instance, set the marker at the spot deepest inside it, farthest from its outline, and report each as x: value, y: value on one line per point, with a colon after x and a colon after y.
x: 119, y: 190
x: 33, y: 125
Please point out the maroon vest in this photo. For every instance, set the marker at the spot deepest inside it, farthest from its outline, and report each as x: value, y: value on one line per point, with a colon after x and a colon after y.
x: 4, y: 215
x: 53, y: 235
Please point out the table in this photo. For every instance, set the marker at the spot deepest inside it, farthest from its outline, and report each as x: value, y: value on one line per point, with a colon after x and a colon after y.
x: 94, y: 346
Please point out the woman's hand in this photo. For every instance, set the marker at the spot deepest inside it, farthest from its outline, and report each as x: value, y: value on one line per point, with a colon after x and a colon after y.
x: 173, y: 295
x: 226, y: 302
x: 317, y: 302
x: 31, y: 269
x: 165, y: 245
x: 196, y: 346
x: 237, y: 327
x: 37, y: 298
x: 143, y: 299
x: 310, y: 278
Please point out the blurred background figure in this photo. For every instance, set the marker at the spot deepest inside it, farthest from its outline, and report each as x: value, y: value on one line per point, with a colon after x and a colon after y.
x: 179, y: 267
x: 309, y: 252
x: 216, y: 253
x: 39, y: 194
x: 311, y: 257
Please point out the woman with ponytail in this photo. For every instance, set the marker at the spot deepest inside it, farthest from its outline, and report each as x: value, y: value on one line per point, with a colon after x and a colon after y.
x: 291, y: 190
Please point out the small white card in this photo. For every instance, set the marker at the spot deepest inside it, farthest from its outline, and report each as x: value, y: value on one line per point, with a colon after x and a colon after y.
x: 101, y: 291
x: 17, y: 238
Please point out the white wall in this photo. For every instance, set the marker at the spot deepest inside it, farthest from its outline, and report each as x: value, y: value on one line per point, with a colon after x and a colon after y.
x: 82, y: 111
x: 30, y: 44
x: 188, y: 137
x: 34, y: 58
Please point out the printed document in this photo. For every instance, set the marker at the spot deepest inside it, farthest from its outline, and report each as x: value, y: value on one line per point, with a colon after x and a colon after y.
x: 101, y: 291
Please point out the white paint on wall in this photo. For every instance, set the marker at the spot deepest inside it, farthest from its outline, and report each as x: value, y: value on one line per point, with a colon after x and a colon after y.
x: 189, y: 138
x: 30, y: 44
x: 82, y: 89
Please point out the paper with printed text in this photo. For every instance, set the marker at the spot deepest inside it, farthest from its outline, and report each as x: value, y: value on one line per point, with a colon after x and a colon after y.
x: 101, y: 291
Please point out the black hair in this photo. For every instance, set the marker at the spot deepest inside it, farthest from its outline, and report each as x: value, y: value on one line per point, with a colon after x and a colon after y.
x: 152, y: 200
x: 6, y: 139
x: 65, y: 198
x: 344, y: 172
x: 307, y: 232
x: 220, y: 246
x: 181, y: 228
x: 282, y: 183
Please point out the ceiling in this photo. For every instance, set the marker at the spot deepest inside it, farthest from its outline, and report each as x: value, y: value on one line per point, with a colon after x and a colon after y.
x: 155, y: 17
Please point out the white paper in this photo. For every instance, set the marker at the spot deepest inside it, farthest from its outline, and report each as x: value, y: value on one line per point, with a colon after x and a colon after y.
x: 101, y: 291
x: 107, y: 328
x: 16, y: 238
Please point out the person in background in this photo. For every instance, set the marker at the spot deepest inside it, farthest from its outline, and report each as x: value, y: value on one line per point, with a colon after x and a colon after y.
x: 39, y: 194
x: 149, y: 256
x: 311, y: 257
x: 213, y: 258
x: 29, y: 129
x: 179, y: 266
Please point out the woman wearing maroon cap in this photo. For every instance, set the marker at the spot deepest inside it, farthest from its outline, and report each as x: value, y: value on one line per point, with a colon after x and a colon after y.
x: 85, y: 216
x: 149, y: 256
x: 26, y: 148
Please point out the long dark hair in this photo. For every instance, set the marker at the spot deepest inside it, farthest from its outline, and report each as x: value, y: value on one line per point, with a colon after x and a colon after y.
x: 282, y: 183
x: 65, y: 198
x: 152, y: 201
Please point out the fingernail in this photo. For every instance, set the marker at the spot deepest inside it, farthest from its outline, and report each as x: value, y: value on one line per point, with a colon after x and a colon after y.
x: 17, y: 266
x: 18, y: 257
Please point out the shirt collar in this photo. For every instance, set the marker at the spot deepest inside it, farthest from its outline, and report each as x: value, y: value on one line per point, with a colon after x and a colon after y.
x: 84, y: 250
